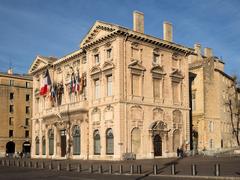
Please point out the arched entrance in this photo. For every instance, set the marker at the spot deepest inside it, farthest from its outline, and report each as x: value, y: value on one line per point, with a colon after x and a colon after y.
x: 26, y: 147
x: 10, y: 147
x: 157, y: 142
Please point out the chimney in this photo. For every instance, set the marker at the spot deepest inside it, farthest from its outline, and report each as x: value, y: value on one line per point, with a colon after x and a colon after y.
x: 197, y: 48
x: 10, y: 71
x: 208, y: 52
x: 167, y: 31
x: 138, y: 21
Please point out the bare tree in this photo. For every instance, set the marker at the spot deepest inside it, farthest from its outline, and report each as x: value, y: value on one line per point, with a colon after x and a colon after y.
x: 233, y: 103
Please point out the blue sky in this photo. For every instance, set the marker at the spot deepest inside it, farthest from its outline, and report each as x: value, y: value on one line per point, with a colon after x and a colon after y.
x: 54, y: 28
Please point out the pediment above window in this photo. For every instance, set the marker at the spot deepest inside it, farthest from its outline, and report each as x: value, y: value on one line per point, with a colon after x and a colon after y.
x: 95, y: 70
x: 108, y: 65
x: 176, y: 75
x: 136, y: 67
x: 158, y: 71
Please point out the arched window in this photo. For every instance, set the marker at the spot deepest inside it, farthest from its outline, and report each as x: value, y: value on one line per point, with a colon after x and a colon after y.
x: 76, y: 140
x: 43, y: 145
x: 177, y: 119
x: 37, y: 145
x: 96, y: 139
x: 51, y: 141
x: 109, y: 142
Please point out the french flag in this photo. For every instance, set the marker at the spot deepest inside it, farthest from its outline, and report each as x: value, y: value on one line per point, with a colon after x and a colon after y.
x: 46, y: 84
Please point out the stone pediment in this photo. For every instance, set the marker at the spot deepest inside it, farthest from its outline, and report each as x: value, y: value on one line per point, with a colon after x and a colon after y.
x: 177, y: 74
x: 95, y: 70
x: 40, y: 62
x: 98, y: 31
x: 158, y: 70
x: 136, y: 65
x: 108, y: 65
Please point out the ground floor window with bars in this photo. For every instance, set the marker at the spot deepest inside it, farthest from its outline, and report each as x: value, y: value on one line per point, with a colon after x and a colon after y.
x: 43, y: 145
x: 37, y: 146
x: 109, y: 142
x: 76, y: 141
x: 96, y: 140
x: 51, y: 141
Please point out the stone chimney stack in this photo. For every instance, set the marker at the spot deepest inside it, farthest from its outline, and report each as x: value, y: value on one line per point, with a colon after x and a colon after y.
x: 197, y: 48
x: 208, y: 52
x: 138, y: 21
x: 167, y: 31
x: 10, y: 71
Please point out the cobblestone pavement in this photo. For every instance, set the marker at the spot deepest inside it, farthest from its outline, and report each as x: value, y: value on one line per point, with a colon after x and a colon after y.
x: 229, y: 167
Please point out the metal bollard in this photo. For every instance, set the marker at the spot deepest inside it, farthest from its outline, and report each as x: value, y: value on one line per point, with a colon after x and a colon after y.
x: 110, y: 169
x: 24, y: 164
x: 68, y: 167
x: 42, y: 165
x: 8, y: 163
x: 18, y: 164
x: 79, y: 168
x: 155, y: 169
x: 59, y: 167
x: 139, y: 169
x: 120, y: 169
x: 100, y: 169
x: 132, y: 169
x: 194, y: 171
x: 14, y: 162
x: 50, y: 167
x: 36, y: 164
x: 91, y: 169
x: 217, y: 169
x: 173, y: 170
x: 3, y: 162
x: 30, y: 164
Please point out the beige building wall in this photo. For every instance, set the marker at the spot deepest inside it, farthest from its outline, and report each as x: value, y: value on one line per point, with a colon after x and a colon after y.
x: 143, y: 122
x: 13, y: 91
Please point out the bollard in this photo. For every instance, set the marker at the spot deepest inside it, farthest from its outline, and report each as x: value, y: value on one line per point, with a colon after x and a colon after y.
x: 139, y: 169
x: 3, y: 162
x: 8, y: 163
x: 50, y: 167
x: 30, y: 164
x: 36, y: 164
x: 194, y: 171
x: 100, y: 169
x: 24, y: 164
x: 18, y: 164
x: 110, y: 169
x: 68, y: 167
x: 120, y: 169
x: 79, y: 168
x: 42, y: 165
x: 91, y: 169
x: 59, y: 167
x: 217, y: 169
x: 14, y: 162
x: 132, y: 169
x: 155, y: 169
x: 173, y: 171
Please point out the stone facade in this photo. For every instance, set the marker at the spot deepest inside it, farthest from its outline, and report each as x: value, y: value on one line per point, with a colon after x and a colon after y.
x: 132, y: 100
x: 211, y: 91
x: 16, y: 110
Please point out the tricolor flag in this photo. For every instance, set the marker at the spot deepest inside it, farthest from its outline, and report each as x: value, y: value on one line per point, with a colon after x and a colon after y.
x: 46, y: 84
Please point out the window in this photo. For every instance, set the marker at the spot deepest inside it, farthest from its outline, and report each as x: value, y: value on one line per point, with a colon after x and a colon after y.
x: 156, y: 58
x: 37, y: 146
x: 27, y: 84
x: 76, y: 141
x: 193, y: 100
x: 96, y: 58
x: 26, y: 134
x: 211, y: 143
x: 11, y: 96
x: 27, y: 122
x: 97, y: 89
x: 176, y: 92
x: 210, y: 126
x: 109, y: 53
x: 84, y: 60
x: 51, y: 141
x: 27, y: 109
x: 27, y: 97
x: 11, y: 121
x: 156, y: 88
x: 43, y: 145
x: 96, y: 140
x: 10, y: 133
x: 109, y: 142
x: 135, y: 85
x: 11, y: 110
x: 11, y: 82
x: 109, y: 85
x: 175, y: 64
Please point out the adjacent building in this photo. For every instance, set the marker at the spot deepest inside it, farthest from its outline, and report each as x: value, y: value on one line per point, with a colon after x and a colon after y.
x: 122, y: 94
x: 15, y: 113
x: 212, y: 90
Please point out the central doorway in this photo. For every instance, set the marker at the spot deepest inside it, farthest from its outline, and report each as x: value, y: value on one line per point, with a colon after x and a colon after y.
x: 10, y: 148
x: 63, y: 143
x: 157, y: 141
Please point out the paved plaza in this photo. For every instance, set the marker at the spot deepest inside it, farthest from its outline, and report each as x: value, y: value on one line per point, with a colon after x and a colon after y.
x: 20, y: 169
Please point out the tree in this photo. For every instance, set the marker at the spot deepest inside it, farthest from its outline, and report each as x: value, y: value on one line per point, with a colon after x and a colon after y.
x: 233, y: 103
